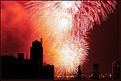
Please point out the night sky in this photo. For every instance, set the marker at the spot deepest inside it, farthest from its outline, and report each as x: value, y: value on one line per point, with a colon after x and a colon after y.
x: 17, y: 35
x: 104, y: 43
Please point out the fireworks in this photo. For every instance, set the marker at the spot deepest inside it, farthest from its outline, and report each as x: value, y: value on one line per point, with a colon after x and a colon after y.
x: 64, y: 26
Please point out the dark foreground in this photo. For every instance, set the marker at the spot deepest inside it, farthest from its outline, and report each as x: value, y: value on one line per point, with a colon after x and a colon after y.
x: 57, y: 80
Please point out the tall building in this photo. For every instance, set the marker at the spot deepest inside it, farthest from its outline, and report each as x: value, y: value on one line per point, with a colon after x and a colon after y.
x: 116, y: 69
x: 36, y: 52
x: 95, y: 71
x: 79, y: 76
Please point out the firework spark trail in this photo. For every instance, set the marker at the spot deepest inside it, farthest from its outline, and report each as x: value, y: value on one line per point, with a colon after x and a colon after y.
x: 64, y: 26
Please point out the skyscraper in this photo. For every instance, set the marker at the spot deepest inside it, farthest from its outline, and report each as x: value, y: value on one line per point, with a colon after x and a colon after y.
x: 95, y: 71
x: 36, y: 52
x: 79, y: 76
x: 116, y: 69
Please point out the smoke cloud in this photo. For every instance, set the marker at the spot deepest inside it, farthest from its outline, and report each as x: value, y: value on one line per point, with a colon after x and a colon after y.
x: 16, y: 28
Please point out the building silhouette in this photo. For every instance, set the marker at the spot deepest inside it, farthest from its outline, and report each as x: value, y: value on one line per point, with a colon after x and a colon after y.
x: 33, y: 68
x: 36, y: 52
x: 8, y: 69
x: 95, y: 71
x: 20, y: 57
x: 79, y: 75
x: 116, y: 69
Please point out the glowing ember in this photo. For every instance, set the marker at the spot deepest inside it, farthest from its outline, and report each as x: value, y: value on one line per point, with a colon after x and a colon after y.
x: 64, y: 26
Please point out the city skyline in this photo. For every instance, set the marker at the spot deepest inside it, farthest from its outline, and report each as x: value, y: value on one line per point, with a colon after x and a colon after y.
x: 34, y: 68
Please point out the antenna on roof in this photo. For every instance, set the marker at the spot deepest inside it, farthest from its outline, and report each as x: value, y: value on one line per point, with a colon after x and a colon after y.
x: 41, y: 38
